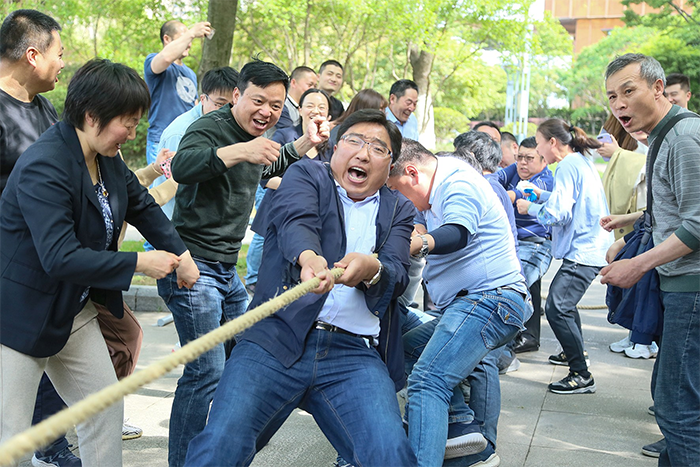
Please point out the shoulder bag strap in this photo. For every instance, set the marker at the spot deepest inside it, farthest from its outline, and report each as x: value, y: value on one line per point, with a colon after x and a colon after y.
x: 651, y: 159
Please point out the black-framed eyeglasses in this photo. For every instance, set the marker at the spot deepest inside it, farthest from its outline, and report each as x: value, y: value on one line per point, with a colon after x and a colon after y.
x: 375, y: 149
x: 217, y: 104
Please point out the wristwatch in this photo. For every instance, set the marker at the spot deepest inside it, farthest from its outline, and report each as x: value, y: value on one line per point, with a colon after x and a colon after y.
x: 423, y: 252
x: 376, y: 277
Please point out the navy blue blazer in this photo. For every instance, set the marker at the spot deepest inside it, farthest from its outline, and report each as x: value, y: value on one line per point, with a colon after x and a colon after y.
x: 307, y: 214
x: 52, y: 240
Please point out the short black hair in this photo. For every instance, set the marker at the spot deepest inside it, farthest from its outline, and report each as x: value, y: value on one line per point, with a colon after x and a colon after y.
x: 329, y: 62
x: 486, y: 150
x: 678, y: 78
x: 299, y: 71
x: 567, y: 134
x: 508, y: 137
x: 411, y: 152
x: 488, y: 124
x: 530, y: 143
x: 224, y: 79
x: 378, y: 117
x: 22, y: 29
x: 168, y: 29
x: 105, y: 90
x: 261, y: 74
x: 399, y: 88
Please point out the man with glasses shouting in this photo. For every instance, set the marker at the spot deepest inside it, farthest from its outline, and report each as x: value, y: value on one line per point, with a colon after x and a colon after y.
x: 336, y: 353
x: 534, y: 239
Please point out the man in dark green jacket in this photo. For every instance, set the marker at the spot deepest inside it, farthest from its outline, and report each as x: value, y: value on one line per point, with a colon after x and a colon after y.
x: 219, y: 164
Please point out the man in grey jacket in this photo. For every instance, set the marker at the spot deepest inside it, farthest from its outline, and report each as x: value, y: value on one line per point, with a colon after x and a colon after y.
x: 635, y: 86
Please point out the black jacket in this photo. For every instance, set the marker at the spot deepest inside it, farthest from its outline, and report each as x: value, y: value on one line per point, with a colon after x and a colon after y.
x: 52, y: 240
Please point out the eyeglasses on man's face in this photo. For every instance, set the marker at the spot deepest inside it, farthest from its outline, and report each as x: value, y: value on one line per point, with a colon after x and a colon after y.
x: 525, y: 158
x: 218, y: 103
x: 356, y: 143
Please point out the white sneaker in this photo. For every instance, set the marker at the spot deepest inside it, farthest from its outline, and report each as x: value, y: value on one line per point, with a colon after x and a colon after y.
x: 642, y: 351
x: 130, y: 431
x: 620, y: 346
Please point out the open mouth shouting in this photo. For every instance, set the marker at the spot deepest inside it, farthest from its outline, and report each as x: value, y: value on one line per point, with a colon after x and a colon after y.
x: 357, y: 174
x: 624, y: 120
x: 260, y: 124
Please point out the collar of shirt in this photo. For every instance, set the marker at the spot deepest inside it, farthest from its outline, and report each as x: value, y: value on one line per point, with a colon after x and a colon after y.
x: 446, y: 166
x: 293, y: 102
x: 349, y: 202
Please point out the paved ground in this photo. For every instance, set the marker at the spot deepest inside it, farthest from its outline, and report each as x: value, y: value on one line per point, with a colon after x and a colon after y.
x: 537, y: 428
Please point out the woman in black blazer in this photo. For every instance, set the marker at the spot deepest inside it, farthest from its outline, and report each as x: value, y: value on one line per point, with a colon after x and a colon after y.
x: 60, y: 218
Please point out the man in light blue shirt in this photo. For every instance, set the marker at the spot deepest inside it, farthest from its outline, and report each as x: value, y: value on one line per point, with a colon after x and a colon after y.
x: 473, y: 276
x: 217, y: 91
x: 403, y: 98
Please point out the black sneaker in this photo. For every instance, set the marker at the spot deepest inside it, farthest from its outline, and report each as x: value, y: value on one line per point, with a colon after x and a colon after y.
x: 62, y: 458
x: 464, y: 439
x: 654, y: 449
x: 560, y: 359
x: 574, y: 383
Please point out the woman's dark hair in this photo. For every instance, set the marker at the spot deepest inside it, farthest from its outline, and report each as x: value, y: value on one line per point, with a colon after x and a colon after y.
x: 315, y: 91
x: 613, y: 126
x: 569, y: 135
x: 530, y: 143
x: 105, y: 90
x: 365, y: 99
x: 378, y: 117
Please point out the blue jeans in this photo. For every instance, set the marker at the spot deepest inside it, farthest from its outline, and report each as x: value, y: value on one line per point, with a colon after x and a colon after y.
x: 470, y: 327
x: 535, y: 259
x: 217, y: 296
x: 255, y: 249
x: 677, y: 392
x: 151, y: 150
x: 339, y: 380
x: 484, y: 384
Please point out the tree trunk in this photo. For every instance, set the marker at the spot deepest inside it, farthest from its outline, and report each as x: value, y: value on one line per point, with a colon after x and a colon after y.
x: 217, y: 51
x: 422, y: 64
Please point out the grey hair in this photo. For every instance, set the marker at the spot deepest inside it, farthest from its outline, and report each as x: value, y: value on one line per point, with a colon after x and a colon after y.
x: 649, y: 68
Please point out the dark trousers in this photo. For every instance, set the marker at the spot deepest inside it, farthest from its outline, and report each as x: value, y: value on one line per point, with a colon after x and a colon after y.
x: 532, y: 331
x: 568, y: 287
x: 48, y: 402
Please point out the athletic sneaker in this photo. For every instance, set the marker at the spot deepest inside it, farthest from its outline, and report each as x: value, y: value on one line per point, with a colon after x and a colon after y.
x: 514, y: 365
x: 63, y: 458
x: 651, y: 411
x: 464, y: 439
x: 654, y: 449
x: 130, y: 431
x: 574, y: 383
x: 560, y: 359
x: 486, y: 458
x: 620, y: 346
x: 642, y: 351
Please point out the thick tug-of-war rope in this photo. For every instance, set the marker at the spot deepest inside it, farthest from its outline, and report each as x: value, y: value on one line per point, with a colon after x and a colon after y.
x: 584, y: 307
x: 42, y: 434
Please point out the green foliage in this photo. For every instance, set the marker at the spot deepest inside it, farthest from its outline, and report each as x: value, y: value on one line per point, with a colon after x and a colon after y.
x: 449, y: 123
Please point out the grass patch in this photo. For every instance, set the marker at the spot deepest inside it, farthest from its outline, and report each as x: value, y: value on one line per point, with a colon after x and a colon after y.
x: 132, y: 245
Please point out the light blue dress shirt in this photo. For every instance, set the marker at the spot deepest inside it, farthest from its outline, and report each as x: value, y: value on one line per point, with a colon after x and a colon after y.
x: 345, y: 306
x: 409, y: 129
x: 573, y: 209
x: 460, y: 195
x: 170, y: 139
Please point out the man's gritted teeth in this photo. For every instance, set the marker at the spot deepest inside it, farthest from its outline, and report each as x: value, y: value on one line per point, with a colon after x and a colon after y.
x: 357, y: 174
